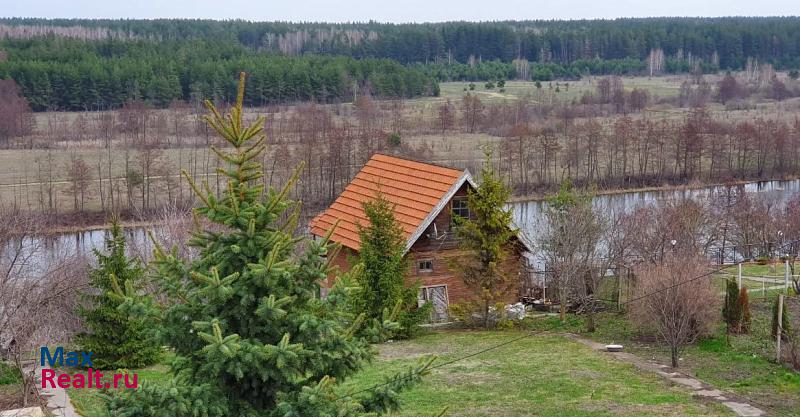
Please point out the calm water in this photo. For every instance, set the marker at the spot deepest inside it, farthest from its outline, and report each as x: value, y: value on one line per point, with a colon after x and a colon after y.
x: 528, y: 216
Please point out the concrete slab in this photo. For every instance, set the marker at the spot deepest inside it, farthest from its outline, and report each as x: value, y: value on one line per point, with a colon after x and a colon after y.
x: 744, y: 409
x: 713, y: 393
x: 23, y: 412
x: 689, y: 382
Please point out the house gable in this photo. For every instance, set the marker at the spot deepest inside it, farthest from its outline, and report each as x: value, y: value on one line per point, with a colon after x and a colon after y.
x: 415, y: 189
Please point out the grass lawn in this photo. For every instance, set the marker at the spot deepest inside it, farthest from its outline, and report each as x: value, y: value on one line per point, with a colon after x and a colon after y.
x: 545, y: 375
x: 754, y: 270
x: 89, y: 403
x: 741, y: 364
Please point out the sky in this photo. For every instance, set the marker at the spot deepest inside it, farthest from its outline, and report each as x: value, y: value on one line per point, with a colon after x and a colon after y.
x: 396, y: 11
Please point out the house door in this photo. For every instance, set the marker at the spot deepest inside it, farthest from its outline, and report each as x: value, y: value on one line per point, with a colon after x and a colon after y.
x: 438, y: 296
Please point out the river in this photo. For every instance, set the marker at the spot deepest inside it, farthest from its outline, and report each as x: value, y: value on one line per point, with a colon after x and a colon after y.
x: 528, y: 216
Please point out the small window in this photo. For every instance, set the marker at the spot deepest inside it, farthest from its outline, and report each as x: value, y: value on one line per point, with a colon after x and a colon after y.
x: 425, y: 265
x: 460, y: 208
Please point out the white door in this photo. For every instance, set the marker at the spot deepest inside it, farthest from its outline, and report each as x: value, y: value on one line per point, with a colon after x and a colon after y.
x: 438, y: 296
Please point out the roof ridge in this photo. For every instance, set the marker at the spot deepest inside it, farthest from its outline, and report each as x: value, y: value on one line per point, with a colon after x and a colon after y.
x: 415, y: 188
x: 435, y: 164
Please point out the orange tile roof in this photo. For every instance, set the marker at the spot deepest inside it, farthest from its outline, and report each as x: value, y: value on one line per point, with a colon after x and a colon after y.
x: 415, y: 188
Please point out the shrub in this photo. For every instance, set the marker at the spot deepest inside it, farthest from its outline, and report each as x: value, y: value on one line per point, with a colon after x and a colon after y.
x: 681, y: 310
x: 489, y: 85
x: 744, y: 308
x: 9, y: 374
x: 471, y: 314
x: 731, y: 310
x: 394, y: 139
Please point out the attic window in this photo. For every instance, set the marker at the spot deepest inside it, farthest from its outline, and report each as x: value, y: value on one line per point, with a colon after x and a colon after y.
x: 425, y: 265
x: 460, y: 208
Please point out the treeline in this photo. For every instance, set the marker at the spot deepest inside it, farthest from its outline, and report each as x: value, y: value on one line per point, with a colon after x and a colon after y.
x: 69, y: 74
x: 724, y: 42
x: 549, y: 71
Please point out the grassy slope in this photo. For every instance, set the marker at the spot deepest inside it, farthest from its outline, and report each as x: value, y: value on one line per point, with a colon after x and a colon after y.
x: 544, y: 375
x: 744, y: 366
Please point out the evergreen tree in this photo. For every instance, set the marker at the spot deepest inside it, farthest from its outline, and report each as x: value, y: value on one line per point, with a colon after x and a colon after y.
x: 731, y: 310
x: 383, y: 270
x: 485, y: 236
x: 116, y: 340
x: 250, y: 335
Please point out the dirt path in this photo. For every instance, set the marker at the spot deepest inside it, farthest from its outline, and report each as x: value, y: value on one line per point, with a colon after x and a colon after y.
x: 57, y: 399
x: 699, y: 388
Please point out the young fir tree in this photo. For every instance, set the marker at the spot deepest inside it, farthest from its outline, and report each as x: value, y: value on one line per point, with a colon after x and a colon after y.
x: 485, y: 236
x: 115, y: 340
x: 250, y: 335
x: 381, y: 278
x: 731, y: 310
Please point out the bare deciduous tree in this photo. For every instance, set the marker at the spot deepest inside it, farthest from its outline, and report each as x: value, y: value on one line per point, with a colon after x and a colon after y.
x: 37, y: 303
x: 675, y: 299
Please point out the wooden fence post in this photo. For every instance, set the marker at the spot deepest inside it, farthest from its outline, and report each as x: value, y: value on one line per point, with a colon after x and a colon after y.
x: 739, y: 282
x: 780, y: 328
x: 786, y: 276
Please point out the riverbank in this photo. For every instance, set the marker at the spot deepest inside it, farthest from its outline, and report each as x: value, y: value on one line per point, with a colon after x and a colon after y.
x: 659, y: 188
x: 64, y: 223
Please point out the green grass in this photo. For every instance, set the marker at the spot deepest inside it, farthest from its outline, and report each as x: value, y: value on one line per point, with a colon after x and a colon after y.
x: 8, y: 374
x: 544, y: 375
x: 89, y: 402
x: 755, y: 270
x: 741, y: 364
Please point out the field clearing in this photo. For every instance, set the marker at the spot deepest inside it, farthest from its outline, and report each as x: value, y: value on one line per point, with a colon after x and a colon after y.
x: 529, y: 377
x: 663, y: 87
x: 26, y: 174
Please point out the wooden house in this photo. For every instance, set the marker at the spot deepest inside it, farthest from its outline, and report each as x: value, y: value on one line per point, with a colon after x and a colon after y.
x: 426, y: 198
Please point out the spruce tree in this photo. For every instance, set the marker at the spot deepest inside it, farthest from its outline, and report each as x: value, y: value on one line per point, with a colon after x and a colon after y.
x: 115, y: 340
x: 383, y: 270
x: 485, y: 237
x: 250, y: 335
